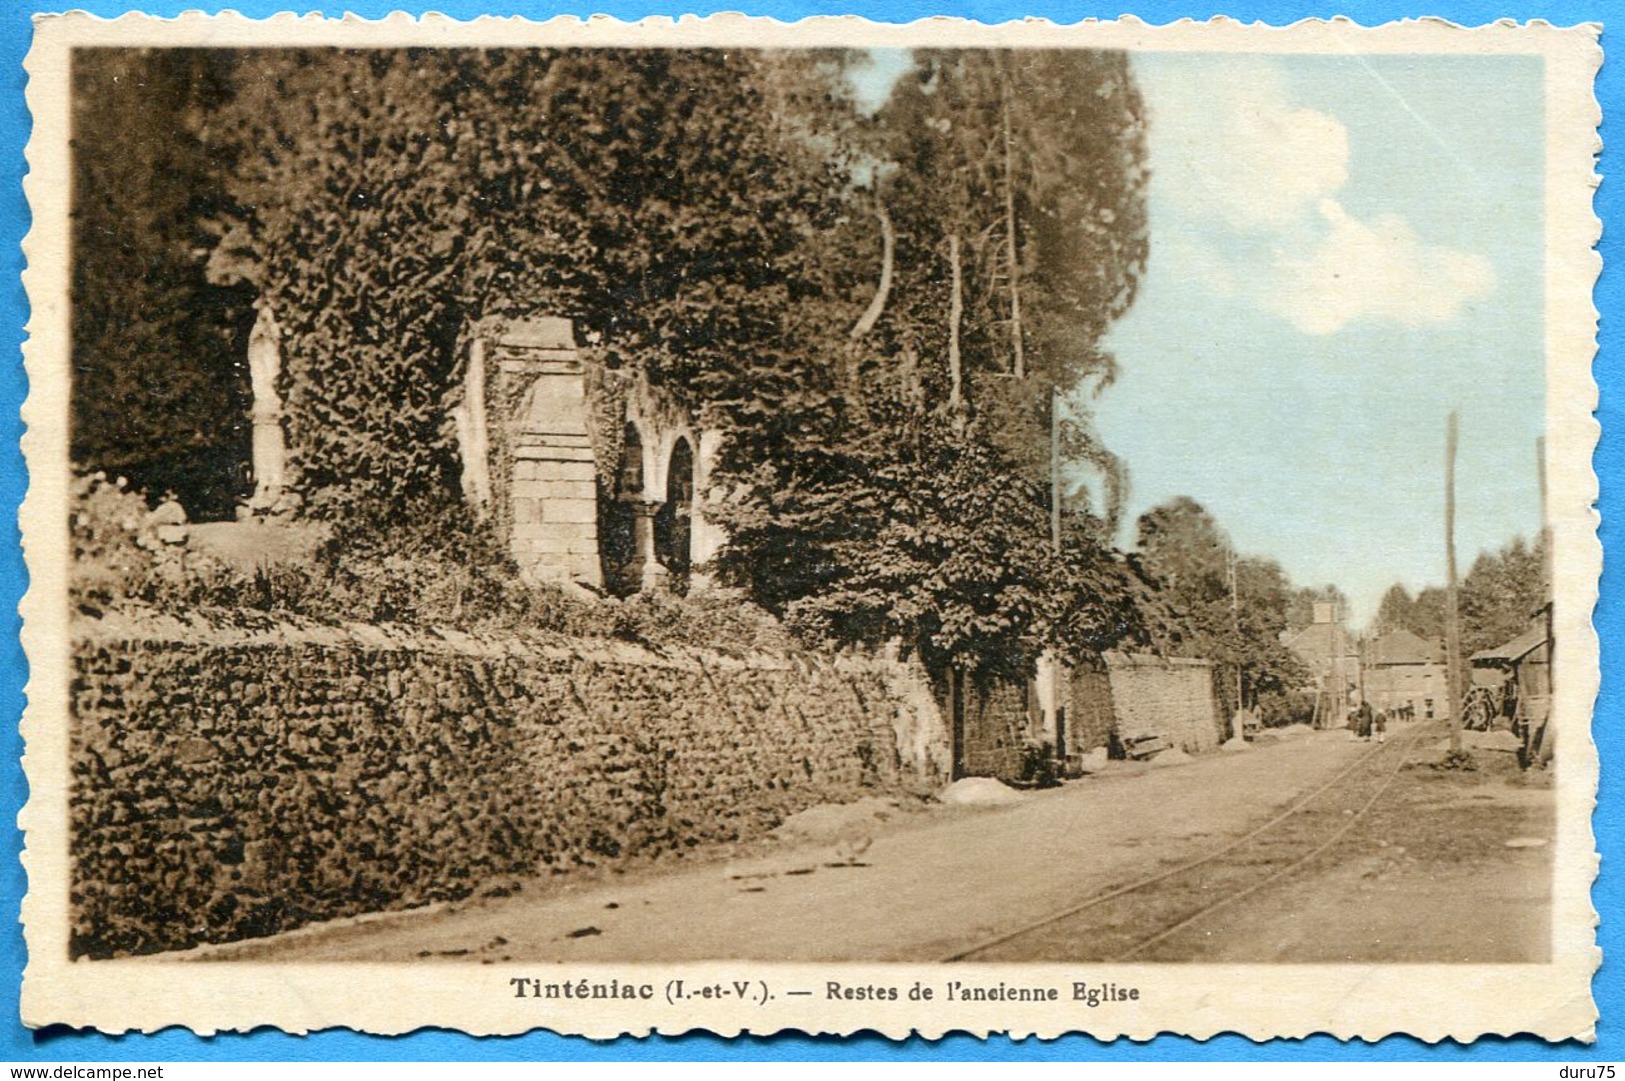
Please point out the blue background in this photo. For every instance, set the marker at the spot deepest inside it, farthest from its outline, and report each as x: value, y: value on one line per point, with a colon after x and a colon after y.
x: 64, y: 1045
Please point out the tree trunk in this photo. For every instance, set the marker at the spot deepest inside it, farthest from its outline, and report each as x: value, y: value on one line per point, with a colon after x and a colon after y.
x: 1017, y: 352
x: 888, y: 247
x: 956, y: 314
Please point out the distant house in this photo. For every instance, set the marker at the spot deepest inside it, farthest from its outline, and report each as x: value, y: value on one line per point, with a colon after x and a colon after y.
x: 1332, y: 656
x: 1524, y: 663
x: 1518, y: 673
x: 1405, y: 670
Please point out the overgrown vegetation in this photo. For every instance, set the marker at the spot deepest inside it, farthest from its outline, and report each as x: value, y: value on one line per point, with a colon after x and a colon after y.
x: 1232, y: 609
x: 438, y: 567
x: 160, y: 381
x: 894, y: 312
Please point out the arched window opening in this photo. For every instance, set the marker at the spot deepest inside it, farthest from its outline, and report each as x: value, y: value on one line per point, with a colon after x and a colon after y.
x: 617, y: 518
x: 673, y: 522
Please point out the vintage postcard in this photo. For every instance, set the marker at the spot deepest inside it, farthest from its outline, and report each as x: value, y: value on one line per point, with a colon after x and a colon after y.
x: 718, y: 525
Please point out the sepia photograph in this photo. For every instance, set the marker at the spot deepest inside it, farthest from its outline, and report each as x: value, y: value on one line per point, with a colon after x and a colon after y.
x: 550, y: 512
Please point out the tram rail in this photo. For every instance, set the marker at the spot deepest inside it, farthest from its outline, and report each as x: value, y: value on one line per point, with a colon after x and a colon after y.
x: 1125, y: 922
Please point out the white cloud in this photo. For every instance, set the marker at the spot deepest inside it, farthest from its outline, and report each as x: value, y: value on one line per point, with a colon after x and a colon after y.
x: 1232, y: 145
x: 1252, y: 180
x: 1377, y: 271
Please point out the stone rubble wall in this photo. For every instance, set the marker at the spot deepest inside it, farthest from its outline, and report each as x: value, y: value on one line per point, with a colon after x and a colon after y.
x: 1172, y: 698
x: 231, y: 783
x: 1135, y: 695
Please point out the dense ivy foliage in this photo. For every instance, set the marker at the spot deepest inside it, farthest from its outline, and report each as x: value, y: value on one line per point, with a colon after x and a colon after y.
x: 391, y: 200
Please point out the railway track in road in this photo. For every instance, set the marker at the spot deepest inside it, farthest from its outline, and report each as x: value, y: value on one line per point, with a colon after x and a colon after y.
x: 1131, y: 921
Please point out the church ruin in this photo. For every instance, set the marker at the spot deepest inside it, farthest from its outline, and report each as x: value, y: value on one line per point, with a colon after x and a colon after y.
x: 611, y: 502
x: 608, y: 502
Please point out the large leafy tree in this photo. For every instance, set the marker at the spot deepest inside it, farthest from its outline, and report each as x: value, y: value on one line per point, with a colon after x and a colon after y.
x: 1500, y: 594
x: 1019, y: 193
x: 1422, y: 614
x: 1396, y: 610
x: 1231, y: 609
x: 959, y: 564
x: 911, y: 493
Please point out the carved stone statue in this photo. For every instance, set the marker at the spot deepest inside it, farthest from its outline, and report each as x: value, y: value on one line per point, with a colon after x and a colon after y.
x: 264, y: 366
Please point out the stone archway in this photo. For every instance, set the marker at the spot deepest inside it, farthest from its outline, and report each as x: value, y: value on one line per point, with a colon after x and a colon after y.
x: 673, y: 522
x: 618, y: 519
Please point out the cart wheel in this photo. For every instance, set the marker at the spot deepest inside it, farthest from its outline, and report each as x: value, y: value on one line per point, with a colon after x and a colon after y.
x: 1478, y: 711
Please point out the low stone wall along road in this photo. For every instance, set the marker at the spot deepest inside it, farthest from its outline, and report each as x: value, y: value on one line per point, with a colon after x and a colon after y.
x: 932, y: 884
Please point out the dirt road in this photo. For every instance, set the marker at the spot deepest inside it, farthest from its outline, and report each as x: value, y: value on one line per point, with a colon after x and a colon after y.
x: 930, y: 883
x: 1452, y: 867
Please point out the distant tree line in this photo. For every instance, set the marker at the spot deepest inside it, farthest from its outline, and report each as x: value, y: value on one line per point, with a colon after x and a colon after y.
x: 1498, y: 599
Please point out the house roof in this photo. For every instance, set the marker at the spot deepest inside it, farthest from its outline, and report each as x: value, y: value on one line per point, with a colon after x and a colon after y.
x: 1400, y: 646
x: 1320, y: 641
x: 1513, y: 650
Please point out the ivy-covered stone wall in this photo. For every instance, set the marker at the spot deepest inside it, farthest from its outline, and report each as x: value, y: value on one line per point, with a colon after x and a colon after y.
x: 231, y: 783
x: 996, y: 730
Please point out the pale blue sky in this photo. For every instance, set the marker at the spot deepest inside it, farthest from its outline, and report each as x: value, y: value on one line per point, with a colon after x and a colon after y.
x: 1343, y: 250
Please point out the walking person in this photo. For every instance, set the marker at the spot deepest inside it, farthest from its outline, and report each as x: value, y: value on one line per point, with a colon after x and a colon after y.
x: 1363, y: 721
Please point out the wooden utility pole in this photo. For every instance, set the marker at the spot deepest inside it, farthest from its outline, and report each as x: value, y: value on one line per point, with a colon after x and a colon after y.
x: 1362, y: 656
x: 1055, y: 469
x: 1549, y: 591
x: 1339, y: 692
x: 1235, y: 625
x: 1545, y: 519
x: 1452, y: 615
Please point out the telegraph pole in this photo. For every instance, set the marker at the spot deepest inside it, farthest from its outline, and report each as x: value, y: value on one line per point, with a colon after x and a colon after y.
x: 1235, y: 625
x: 1055, y: 469
x: 1452, y: 615
x: 1549, y: 590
